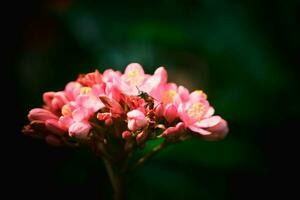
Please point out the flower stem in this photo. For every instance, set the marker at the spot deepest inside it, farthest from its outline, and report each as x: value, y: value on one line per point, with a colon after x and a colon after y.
x: 116, y: 179
x: 156, y: 149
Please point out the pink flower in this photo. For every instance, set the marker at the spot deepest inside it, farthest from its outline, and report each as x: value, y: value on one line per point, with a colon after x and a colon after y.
x: 133, y: 105
x: 196, y: 114
x: 154, y: 85
x: 133, y: 78
x: 136, y: 120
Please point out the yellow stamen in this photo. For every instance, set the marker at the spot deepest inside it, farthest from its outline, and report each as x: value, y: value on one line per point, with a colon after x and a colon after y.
x: 196, y: 110
x: 134, y: 78
x: 85, y: 90
x: 66, y: 110
x: 201, y: 93
x: 168, y: 96
x: 133, y: 74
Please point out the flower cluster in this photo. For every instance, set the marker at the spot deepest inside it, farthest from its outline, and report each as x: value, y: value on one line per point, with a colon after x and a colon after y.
x: 130, y: 108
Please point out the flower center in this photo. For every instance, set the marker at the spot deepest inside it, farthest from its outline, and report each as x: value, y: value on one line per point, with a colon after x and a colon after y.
x: 134, y: 78
x: 85, y: 90
x: 66, y: 110
x: 168, y: 96
x: 196, y: 110
x: 201, y: 93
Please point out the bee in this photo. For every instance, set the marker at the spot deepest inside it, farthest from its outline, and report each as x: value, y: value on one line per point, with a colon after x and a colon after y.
x: 148, y: 99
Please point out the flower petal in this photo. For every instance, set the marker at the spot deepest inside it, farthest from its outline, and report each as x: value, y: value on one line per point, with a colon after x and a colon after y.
x: 199, y: 130
x: 208, y: 122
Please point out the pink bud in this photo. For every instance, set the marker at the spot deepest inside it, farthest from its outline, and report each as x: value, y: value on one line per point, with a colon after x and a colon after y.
x: 170, y: 112
x: 126, y: 135
x: 141, y: 137
x: 136, y: 120
x: 159, y: 110
x: 113, y: 105
x: 58, y: 101
x: 41, y: 114
x: 48, y: 97
x: 53, y: 140
x: 79, y: 130
x: 108, y: 121
x: 178, y: 129
x: 53, y: 126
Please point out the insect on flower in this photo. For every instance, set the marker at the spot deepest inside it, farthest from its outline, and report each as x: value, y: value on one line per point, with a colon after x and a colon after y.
x: 148, y: 99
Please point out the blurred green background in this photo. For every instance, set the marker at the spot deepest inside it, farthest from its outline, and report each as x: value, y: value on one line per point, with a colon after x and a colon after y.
x: 243, y: 54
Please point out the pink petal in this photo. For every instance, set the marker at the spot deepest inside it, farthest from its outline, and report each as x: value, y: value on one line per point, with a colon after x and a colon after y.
x: 141, y: 122
x: 183, y: 93
x: 197, y: 95
x: 210, y: 111
x: 135, y: 114
x: 110, y: 75
x: 133, y: 67
x: 48, y: 97
x: 171, y: 86
x: 72, y: 90
x: 131, y: 125
x: 198, y: 129
x: 80, y: 114
x: 219, y: 131
x: 65, y: 122
x: 209, y: 122
x: 59, y: 100
x: 112, y: 104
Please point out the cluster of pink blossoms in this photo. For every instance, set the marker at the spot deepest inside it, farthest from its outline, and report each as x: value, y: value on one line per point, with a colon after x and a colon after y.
x: 130, y: 108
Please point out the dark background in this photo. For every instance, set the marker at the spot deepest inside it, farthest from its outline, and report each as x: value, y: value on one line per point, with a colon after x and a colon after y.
x: 243, y: 54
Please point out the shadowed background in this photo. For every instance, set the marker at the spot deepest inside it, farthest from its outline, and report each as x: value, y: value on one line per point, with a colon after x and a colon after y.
x: 244, y: 55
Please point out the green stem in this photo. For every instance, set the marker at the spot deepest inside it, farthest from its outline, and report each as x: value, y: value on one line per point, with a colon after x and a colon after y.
x: 154, y: 151
x: 116, y: 179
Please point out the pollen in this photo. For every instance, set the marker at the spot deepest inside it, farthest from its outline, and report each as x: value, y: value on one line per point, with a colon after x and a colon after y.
x: 168, y: 96
x: 134, y: 78
x: 85, y: 90
x: 133, y: 74
x: 201, y: 93
x: 66, y: 110
x: 196, y: 110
